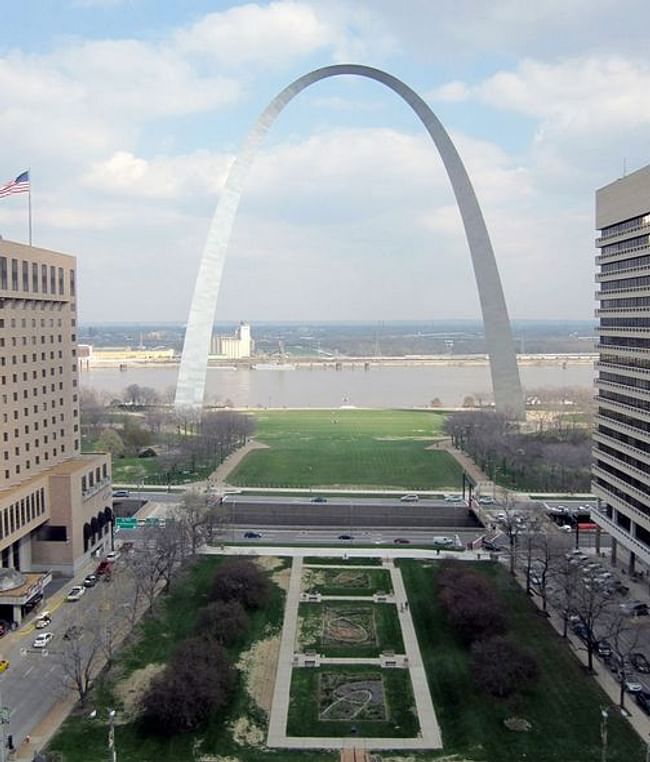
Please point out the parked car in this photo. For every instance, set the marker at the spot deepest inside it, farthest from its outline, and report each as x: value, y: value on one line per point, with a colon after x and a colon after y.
x: 104, y: 567
x: 633, y: 686
x: 401, y: 541
x: 117, y: 493
x: 75, y: 593
x: 252, y: 535
x: 319, y: 499
x: 113, y: 555
x: 642, y: 698
x: 42, y: 639
x: 346, y: 537
x: 43, y: 621
x: 73, y: 632
x: 4, y: 665
x: 634, y: 608
x: 90, y: 580
x: 410, y: 498
x: 603, y: 649
x: 640, y: 663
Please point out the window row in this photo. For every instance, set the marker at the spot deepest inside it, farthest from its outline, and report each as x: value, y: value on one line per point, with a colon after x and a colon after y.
x: 623, y: 227
x: 96, y: 476
x: 21, y: 512
x: 30, y: 277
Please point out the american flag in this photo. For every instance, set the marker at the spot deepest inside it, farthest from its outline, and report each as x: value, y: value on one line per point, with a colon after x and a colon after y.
x: 19, y: 185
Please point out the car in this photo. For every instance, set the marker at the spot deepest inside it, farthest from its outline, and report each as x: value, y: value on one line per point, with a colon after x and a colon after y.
x: 75, y: 593
x: 453, y: 498
x: 401, y: 541
x: 43, y: 621
x: 117, y: 493
x: 113, y: 555
x: 90, y: 580
x: 409, y: 498
x: 642, y: 698
x: 443, y: 540
x: 319, y: 499
x: 4, y: 665
x: 633, y: 686
x: 346, y: 537
x: 252, y: 535
x: 566, y: 528
x: 486, y: 501
x: 42, y: 639
x: 634, y: 608
x: 73, y: 632
x: 603, y: 649
x: 640, y: 663
x: 104, y: 567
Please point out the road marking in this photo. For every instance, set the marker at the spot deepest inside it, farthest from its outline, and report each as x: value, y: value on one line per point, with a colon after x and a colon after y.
x: 28, y: 671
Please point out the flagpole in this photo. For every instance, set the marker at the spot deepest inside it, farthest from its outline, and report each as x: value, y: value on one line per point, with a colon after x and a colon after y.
x: 29, y: 204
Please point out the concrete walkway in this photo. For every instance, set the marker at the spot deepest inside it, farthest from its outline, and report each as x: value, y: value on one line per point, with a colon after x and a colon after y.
x: 429, y: 736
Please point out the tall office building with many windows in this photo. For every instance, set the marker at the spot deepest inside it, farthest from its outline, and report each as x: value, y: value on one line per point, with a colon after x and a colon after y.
x: 55, y: 503
x: 621, y: 449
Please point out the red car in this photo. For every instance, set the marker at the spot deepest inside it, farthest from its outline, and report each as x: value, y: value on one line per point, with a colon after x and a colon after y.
x: 103, y: 568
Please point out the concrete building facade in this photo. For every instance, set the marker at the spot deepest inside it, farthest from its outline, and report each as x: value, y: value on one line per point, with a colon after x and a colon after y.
x: 55, y: 504
x: 621, y: 440
x: 235, y: 347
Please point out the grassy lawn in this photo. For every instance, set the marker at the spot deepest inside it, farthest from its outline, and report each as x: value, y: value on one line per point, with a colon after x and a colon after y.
x: 148, y: 471
x: 337, y: 448
x: 307, y: 703
x: 347, y: 581
x: 82, y: 739
x: 349, y: 628
x: 563, y: 707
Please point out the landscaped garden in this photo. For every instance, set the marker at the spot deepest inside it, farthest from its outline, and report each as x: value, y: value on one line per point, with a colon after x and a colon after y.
x: 348, y: 581
x: 349, y: 628
x: 351, y: 701
x: 562, y: 705
x: 360, y: 448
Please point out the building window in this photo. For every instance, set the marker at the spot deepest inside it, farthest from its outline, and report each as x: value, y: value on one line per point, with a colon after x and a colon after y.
x: 34, y: 280
x: 43, y: 283
x: 14, y: 275
x: 25, y: 269
x: 3, y: 272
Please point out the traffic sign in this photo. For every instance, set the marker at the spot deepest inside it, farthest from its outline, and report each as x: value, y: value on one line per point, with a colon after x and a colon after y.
x: 126, y: 523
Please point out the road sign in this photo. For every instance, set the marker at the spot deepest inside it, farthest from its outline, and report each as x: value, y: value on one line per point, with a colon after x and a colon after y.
x: 126, y: 523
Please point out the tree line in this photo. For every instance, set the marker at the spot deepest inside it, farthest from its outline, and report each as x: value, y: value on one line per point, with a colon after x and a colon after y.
x: 556, y: 458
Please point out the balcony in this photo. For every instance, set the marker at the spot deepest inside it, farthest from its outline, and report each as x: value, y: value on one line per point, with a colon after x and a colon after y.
x: 621, y: 311
x: 633, y: 391
x: 624, y: 272
x: 623, y: 292
x: 619, y: 349
x: 625, y: 254
x: 629, y: 233
x: 623, y: 370
x: 616, y: 502
x: 626, y: 468
x: 623, y: 485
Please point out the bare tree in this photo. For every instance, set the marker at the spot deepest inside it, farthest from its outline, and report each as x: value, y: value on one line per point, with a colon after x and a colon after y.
x: 624, y: 638
x: 549, y: 552
x: 193, y: 516
x: 566, y: 575
x: 79, y: 657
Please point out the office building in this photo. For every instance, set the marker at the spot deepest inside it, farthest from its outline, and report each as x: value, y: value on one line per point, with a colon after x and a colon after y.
x: 55, y: 503
x: 621, y: 451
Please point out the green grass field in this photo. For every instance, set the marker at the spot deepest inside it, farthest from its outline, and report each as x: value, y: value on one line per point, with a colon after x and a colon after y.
x: 563, y: 707
x: 304, y: 706
x: 380, y: 621
x: 347, y: 581
x: 149, y: 471
x: 348, y: 448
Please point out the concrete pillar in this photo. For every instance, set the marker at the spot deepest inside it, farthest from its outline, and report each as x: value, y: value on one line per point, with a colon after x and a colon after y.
x: 18, y: 614
x: 598, y: 538
x: 631, y: 564
x: 614, y: 546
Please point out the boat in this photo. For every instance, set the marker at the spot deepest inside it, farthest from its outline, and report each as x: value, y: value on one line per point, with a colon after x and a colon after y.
x: 273, y: 366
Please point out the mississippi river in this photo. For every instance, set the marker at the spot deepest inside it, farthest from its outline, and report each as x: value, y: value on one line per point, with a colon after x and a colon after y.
x: 379, y: 386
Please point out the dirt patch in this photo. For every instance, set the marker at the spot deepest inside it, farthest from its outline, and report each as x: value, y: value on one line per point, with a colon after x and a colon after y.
x: 247, y: 733
x: 268, y: 563
x: 281, y: 578
x: 259, y: 665
x: 130, y: 690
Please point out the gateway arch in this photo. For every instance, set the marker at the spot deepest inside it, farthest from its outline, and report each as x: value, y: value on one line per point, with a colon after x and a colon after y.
x: 503, y: 363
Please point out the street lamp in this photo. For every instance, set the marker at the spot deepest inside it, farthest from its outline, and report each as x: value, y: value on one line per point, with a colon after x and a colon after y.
x: 604, y: 715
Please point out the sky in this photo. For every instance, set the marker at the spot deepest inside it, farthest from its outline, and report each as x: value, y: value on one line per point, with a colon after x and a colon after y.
x: 130, y: 112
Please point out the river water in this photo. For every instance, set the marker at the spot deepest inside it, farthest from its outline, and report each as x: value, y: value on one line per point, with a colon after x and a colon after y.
x: 379, y: 386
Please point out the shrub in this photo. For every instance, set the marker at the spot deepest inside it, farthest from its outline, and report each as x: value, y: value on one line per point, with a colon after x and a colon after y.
x: 240, y: 580
x: 225, y: 621
x: 500, y: 666
x: 198, y: 681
